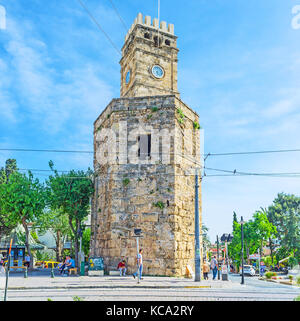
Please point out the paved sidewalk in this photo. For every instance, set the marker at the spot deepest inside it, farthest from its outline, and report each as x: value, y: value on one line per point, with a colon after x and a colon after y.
x: 59, y: 282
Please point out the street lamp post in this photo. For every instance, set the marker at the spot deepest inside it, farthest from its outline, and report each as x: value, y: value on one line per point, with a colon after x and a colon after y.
x: 225, y: 239
x: 218, y: 257
x: 242, y: 241
x: 137, y: 235
x: 197, y: 233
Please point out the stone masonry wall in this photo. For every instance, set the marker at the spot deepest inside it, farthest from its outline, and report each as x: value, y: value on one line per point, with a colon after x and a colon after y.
x: 157, y: 197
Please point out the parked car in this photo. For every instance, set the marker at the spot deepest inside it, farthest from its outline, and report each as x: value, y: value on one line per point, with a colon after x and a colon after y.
x: 47, y: 264
x: 248, y: 270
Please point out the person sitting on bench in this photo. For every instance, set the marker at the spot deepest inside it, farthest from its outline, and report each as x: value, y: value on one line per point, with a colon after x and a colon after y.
x: 70, y: 265
x: 122, y: 268
x: 66, y: 262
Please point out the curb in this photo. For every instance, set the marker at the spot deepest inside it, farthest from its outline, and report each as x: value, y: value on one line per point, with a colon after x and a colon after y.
x: 110, y: 287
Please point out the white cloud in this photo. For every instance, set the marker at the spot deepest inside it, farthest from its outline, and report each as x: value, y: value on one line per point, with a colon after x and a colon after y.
x: 49, y: 97
x: 7, y: 104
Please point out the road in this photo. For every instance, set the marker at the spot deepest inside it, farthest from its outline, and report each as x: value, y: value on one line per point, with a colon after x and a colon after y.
x: 253, y: 290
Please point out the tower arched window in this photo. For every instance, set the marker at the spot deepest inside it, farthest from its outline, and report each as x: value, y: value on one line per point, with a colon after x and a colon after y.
x: 147, y: 35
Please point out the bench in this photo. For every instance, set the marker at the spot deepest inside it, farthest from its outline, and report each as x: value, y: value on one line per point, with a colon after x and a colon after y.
x: 114, y: 273
x: 18, y: 267
x: 73, y: 270
x: 96, y: 273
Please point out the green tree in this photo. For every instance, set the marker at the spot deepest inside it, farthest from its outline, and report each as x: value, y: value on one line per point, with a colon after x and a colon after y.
x: 235, y: 247
x: 6, y: 226
x: 264, y: 229
x: 256, y: 234
x: 86, y: 238
x: 57, y: 223
x: 284, y: 213
x: 22, y: 198
x: 234, y: 220
x: 71, y: 192
x: 10, y: 167
x: 205, y: 238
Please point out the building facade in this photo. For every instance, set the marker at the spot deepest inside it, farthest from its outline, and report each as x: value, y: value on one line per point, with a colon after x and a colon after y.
x: 146, y: 149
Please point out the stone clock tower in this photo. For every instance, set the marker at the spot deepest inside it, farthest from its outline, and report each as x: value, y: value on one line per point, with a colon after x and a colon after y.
x: 149, y: 65
x: 146, y: 148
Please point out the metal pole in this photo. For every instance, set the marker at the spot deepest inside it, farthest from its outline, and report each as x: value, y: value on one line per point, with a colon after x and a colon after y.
x: 7, y: 270
x: 242, y: 236
x: 7, y: 275
x: 218, y: 257
x: 80, y: 248
x: 258, y: 261
x: 197, y: 233
x: 137, y: 258
x: 226, y: 245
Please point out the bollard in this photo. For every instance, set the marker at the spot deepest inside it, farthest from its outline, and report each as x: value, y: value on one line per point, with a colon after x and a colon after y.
x: 25, y: 273
x: 52, y: 273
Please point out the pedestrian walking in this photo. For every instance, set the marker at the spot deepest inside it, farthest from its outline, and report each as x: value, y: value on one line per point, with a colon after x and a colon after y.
x: 214, y: 267
x: 205, y: 270
x: 140, y: 264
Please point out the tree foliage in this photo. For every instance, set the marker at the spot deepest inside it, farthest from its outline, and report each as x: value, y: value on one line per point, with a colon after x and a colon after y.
x: 284, y: 213
x: 86, y: 238
x: 57, y: 223
x: 6, y: 226
x: 70, y: 193
x: 22, y: 199
x: 256, y: 233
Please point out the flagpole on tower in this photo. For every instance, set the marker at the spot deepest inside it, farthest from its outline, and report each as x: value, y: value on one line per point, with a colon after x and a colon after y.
x: 158, y: 16
x: 158, y: 12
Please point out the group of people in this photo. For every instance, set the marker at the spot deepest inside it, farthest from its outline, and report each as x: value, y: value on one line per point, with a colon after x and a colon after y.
x: 122, y: 266
x: 213, y: 266
x: 206, y: 267
x: 68, y: 264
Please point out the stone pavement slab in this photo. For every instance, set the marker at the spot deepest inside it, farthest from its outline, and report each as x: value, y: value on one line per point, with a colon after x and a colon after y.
x: 61, y: 282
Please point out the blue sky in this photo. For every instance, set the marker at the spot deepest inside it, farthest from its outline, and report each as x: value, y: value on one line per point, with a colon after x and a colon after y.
x: 239, y: 68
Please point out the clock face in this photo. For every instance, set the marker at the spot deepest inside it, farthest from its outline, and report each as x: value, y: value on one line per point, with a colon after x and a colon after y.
x: 127, y: 78
x: 157, y: 71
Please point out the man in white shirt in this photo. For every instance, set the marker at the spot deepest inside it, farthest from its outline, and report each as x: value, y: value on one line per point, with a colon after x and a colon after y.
x: 140, y: 264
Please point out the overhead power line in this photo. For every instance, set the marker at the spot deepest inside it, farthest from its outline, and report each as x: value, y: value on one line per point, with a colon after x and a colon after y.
x: 118, y: 14
x: 99, y: 26
x: 254, y: 152
x: 230, y: 173
x: 237, y: 173
x: 45, y: 150
x: 208, y: 154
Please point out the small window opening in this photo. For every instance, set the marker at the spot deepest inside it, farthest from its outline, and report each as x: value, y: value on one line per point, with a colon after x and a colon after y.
x: 144, y: 147
x: 147, y: 35
x: 168, y: 42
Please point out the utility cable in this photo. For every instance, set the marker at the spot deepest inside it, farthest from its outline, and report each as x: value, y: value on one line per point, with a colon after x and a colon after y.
x: 206, y: 155
x: 117, y: 13
x: 98, y: 25
x: 254, y: 152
